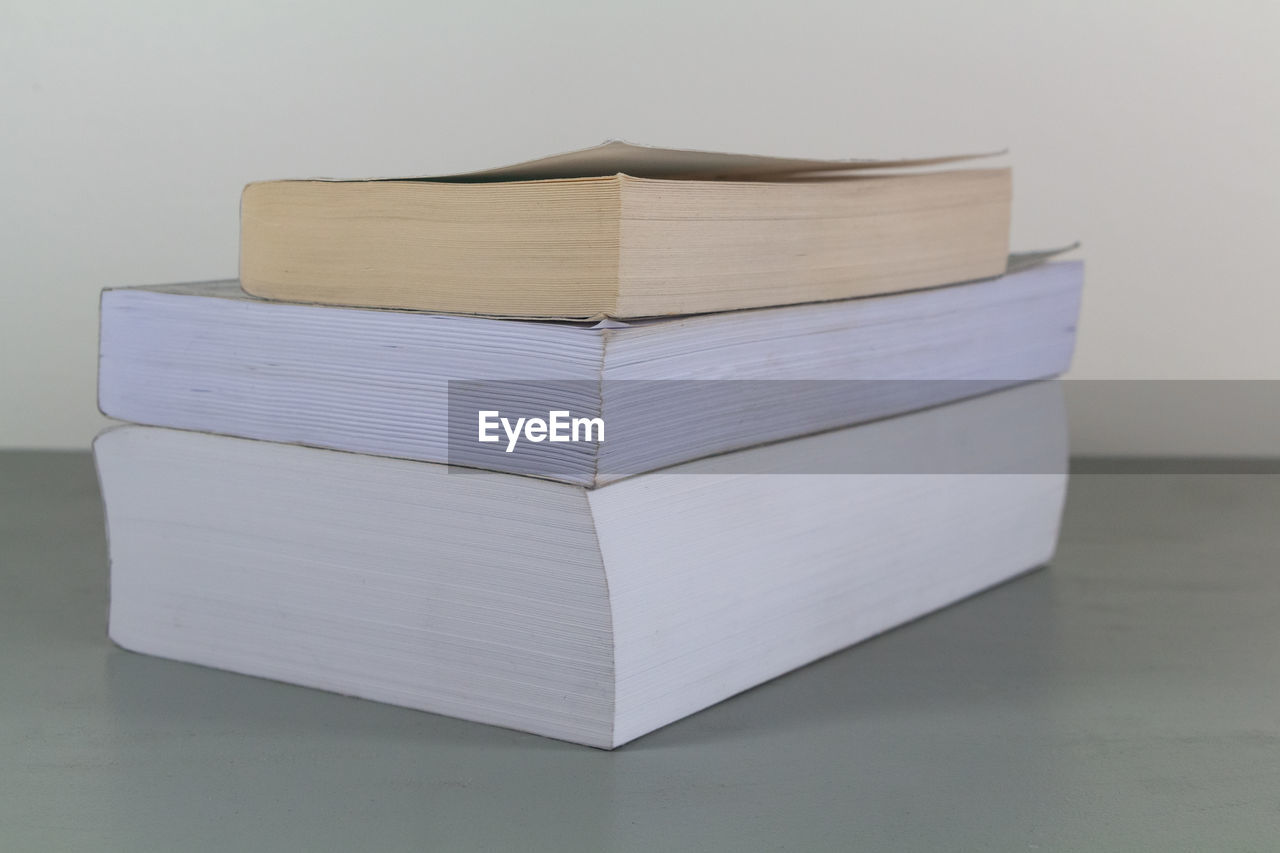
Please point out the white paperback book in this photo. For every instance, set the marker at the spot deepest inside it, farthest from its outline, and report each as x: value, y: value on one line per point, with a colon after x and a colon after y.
x: 589, y: 615
x: 412, y: 385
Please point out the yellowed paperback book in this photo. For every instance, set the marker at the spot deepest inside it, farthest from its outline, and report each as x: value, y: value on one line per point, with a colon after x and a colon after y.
x: 625, y: 231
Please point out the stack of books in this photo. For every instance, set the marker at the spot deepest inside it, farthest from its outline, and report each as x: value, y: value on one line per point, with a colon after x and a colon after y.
x: 584, y: 445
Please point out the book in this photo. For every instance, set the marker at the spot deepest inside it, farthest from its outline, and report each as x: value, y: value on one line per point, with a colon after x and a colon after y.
x: 625, y: 231
x: 413, y: 385
x: 593, y: 616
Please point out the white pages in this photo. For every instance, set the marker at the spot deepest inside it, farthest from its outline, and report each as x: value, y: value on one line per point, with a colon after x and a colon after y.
x: 593, y: 616
x: 411, y: 385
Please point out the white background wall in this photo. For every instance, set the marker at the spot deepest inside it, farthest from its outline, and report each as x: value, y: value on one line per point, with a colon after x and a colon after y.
x: 1149, y: 130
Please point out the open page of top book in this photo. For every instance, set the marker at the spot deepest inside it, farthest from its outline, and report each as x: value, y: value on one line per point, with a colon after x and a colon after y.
x: 625, y: 231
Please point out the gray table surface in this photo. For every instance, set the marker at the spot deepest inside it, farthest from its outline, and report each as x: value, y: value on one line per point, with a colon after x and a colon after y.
x: 1128, y: 698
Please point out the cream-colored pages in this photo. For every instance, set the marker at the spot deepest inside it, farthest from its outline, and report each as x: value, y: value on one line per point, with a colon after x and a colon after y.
x: 626, y: 231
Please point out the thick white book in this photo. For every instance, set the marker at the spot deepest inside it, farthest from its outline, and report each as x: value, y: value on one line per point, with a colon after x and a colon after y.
x: 590, y: 615
x: 412, y: 385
